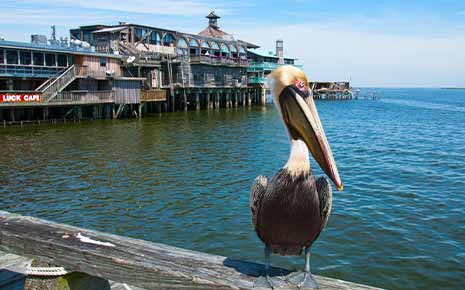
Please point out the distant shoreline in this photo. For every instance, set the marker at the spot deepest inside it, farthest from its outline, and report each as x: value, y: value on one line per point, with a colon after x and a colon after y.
x: 452, y: 88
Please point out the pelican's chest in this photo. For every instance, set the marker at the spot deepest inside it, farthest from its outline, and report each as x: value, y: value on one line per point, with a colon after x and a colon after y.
x: 289, y: 209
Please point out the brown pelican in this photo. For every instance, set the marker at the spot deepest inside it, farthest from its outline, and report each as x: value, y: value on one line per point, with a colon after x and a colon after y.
x: 289, y: 211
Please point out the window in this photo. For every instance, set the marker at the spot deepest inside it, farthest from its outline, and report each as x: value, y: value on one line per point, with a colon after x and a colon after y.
x: 168, y: 39
x: 12, y: 57
x: 25, y: 57
x: 38, y: 58
x: 50, y: 59
x: 194, y: 51
x: 76, y: 35
x: 205, y: 44
x: 154, y: 38
x: 194, y: 43
x: 2, y: 56
x: 224, y: 50
x: 62, y: 61
x: 289, y: 61
x: 215, y: 45
x: 138, y: 34
x: 87, y: 36
x: 103, y: 62
x: 182, y: 43
x: 70, y: 59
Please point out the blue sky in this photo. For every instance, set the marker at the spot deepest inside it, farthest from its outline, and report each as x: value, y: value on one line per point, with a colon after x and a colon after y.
x: 374, y: 43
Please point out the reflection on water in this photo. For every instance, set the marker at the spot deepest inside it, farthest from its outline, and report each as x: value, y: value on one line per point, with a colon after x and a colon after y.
x: 183, y: 179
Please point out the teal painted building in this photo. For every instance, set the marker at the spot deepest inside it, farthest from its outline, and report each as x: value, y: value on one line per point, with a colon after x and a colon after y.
x: 261, y: 63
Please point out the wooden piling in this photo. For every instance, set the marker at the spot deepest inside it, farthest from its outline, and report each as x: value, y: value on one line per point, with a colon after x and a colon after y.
x: 197, y: 101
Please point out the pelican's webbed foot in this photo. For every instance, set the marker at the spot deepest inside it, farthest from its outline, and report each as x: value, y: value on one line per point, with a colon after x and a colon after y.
x: 303, y: 280
x: 267, y: 282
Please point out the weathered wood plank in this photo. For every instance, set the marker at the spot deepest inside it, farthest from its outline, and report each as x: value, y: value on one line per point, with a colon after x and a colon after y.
x: 13, y: 269
x: 136, y: 262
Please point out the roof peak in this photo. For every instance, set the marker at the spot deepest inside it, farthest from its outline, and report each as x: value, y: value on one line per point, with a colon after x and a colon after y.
x: 212, y: 15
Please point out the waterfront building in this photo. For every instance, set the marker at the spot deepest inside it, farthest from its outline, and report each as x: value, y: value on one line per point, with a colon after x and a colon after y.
x: 132, y: 68
x: 264, y: 62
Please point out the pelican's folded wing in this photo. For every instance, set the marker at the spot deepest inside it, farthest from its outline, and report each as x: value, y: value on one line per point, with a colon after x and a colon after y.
x: 325, y: 194
x: 256, y: 195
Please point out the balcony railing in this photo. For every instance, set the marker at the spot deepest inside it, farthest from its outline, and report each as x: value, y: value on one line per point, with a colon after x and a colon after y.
x: 204, y: 59
x: 257, y: 80
x: 84, y: 97
x: 256, y: 66
x: 153, y: 96
x: 266, y: 66
x: 28, y: 71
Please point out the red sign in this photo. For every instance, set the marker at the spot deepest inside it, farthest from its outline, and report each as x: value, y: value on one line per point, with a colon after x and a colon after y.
x: 20, y: 98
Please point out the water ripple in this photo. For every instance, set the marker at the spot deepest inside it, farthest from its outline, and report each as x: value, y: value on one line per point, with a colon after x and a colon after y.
x: 183, y: 179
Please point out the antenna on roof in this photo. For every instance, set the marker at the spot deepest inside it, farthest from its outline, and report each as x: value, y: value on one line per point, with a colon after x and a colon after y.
x: 53, y: 40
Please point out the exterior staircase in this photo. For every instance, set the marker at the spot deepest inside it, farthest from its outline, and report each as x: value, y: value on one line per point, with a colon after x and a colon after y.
x: 186, y: 74
x: 53, y: 86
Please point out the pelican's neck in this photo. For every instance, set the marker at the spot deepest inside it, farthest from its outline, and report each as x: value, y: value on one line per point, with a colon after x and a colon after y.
x: 298, y: 161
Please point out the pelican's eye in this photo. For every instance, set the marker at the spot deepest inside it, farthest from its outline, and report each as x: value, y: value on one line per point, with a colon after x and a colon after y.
x: 300, y: 85
x: 302, y: 89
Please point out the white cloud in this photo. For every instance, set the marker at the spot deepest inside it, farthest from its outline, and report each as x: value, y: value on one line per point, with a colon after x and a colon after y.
x: 159, y: 7
x: 368, y: 58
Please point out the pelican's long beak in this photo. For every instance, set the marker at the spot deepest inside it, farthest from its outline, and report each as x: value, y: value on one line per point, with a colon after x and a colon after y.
x: 301, y: 118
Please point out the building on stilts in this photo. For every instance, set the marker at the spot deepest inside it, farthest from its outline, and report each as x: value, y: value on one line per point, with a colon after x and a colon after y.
x: 124, y: 70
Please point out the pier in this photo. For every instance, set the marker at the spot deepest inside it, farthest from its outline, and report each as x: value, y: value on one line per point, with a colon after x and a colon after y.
x: 331, y: 90
x: 95, y: 260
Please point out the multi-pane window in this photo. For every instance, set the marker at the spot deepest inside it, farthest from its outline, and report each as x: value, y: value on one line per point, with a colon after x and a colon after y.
x: 2, y: 56
x: 50, y: 59
x: 12, y: 57
x: 103, y: 62
x: 25, y: 57
x: 38, y: 58
x: 62, y: 60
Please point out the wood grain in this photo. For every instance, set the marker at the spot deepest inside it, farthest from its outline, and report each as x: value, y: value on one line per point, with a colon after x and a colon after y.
x: 135, y: 262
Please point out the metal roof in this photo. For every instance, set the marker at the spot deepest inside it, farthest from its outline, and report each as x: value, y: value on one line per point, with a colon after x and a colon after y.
x: 111, y: 29
x: 50, y: 48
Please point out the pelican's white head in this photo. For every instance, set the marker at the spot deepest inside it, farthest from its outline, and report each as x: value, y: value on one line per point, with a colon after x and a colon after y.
x: 292, y: 96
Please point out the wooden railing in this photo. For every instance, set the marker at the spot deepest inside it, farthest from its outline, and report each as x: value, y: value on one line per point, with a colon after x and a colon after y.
x: 136, y: 262
x: 58, y: 84
x: 153, y: 96
x: 84, y: 97
x: 217, y: 60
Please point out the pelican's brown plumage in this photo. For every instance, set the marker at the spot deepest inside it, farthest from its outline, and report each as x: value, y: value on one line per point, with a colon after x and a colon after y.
x: 290, y: 210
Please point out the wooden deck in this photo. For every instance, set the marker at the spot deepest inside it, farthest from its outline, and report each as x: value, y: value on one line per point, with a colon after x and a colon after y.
x: 124, y: 260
